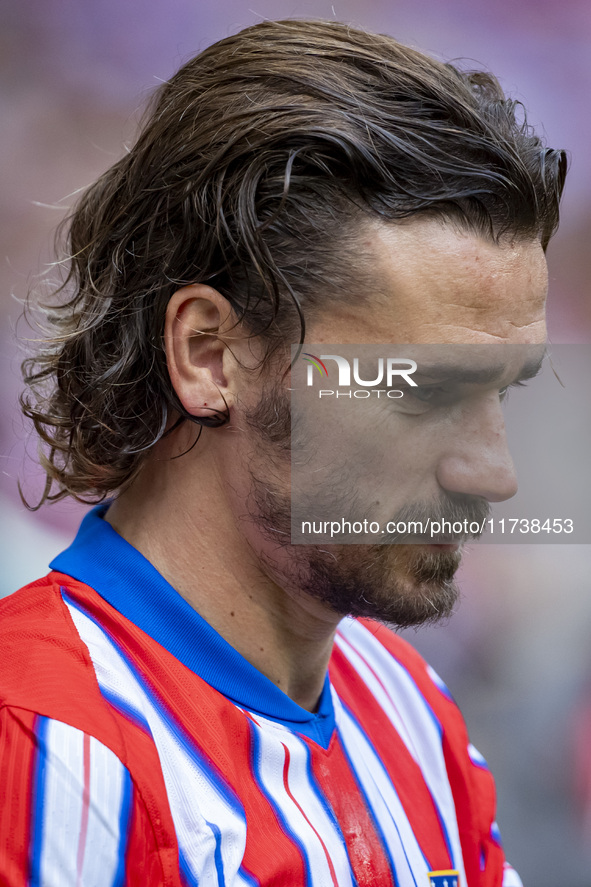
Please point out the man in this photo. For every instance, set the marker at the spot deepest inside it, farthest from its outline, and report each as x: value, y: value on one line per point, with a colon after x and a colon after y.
x: 182, y: 702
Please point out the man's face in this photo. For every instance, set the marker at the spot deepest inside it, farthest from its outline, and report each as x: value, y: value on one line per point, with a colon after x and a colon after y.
x: 433, y: 285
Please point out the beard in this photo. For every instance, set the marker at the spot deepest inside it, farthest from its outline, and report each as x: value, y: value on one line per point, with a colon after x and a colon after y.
x: 400, y: 584
x: 403, y: 585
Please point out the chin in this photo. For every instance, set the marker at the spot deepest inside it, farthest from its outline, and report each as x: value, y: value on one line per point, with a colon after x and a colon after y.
x: 402, y: 585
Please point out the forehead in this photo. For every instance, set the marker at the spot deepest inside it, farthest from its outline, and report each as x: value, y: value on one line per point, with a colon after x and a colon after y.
x: 434, y: 283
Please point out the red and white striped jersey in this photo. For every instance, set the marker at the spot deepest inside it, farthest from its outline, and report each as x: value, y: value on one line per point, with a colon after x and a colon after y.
x: 138, y: 748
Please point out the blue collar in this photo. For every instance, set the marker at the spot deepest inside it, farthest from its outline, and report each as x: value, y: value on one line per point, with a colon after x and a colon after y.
x: 100, y: 558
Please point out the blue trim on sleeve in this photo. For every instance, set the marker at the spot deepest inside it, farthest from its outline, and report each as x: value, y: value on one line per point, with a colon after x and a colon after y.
x: 102, y: 559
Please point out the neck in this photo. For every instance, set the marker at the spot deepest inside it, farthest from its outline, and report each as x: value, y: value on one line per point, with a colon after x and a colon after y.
x: 178, y: 515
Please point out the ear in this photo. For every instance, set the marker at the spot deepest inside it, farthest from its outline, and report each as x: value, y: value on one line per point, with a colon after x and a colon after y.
x: 199, y: 361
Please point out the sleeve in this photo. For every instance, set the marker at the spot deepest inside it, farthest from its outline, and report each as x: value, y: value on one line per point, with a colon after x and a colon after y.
x: 510, y: 877
x: 470, y: 780
x: 474, y: 791
x: 70, y: 814
x: 481, y: 774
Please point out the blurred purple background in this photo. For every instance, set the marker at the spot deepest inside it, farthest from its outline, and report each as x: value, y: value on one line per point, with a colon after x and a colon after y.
x: 74, y: 74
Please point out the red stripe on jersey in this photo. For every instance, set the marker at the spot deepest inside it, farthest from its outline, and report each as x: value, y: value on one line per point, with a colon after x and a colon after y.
x: 403, y: 770
x: 303, y: 812
x: 366, y: 853
x: 152, y: 846
x: 85, y: 809
x: 145, y: 861
x: 18, y: 757
x: 470, y: 783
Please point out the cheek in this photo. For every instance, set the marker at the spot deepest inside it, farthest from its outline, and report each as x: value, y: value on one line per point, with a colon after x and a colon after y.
x: 256, y: 482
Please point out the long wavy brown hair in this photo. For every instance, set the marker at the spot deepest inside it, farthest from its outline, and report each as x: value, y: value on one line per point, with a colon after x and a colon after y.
x: 253, y: 170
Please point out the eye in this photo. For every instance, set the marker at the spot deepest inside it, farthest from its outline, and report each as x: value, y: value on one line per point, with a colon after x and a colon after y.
x: 433, y: 395
x: 426, y: 394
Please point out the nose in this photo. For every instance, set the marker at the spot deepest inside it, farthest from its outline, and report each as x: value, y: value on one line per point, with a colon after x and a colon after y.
x: 475, y: 459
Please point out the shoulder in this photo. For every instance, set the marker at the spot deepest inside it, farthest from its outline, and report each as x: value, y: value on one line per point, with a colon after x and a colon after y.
x: 65, y: 749
x: 389, y: 673
x: 38, y: 640
x: 378, y: 650
x: 392, y: 691
x: 394, y: 671
x: 45, y: 667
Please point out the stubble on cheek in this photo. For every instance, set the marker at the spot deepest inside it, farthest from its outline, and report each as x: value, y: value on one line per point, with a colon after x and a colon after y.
x: 400, y: 584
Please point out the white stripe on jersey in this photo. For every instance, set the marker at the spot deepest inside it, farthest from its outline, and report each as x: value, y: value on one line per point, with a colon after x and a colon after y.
x: 381, y: 693
x: 476, y: 758
x: 510, y: 877
x: 406, y: 703
x: 410, y: 866
x: 306, y: 817
x: 202, y: 810
x: 439, y: 683
x: 81, y: 841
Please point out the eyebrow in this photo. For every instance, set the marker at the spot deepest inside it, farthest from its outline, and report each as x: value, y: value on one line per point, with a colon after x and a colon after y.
x: 456, y: 373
